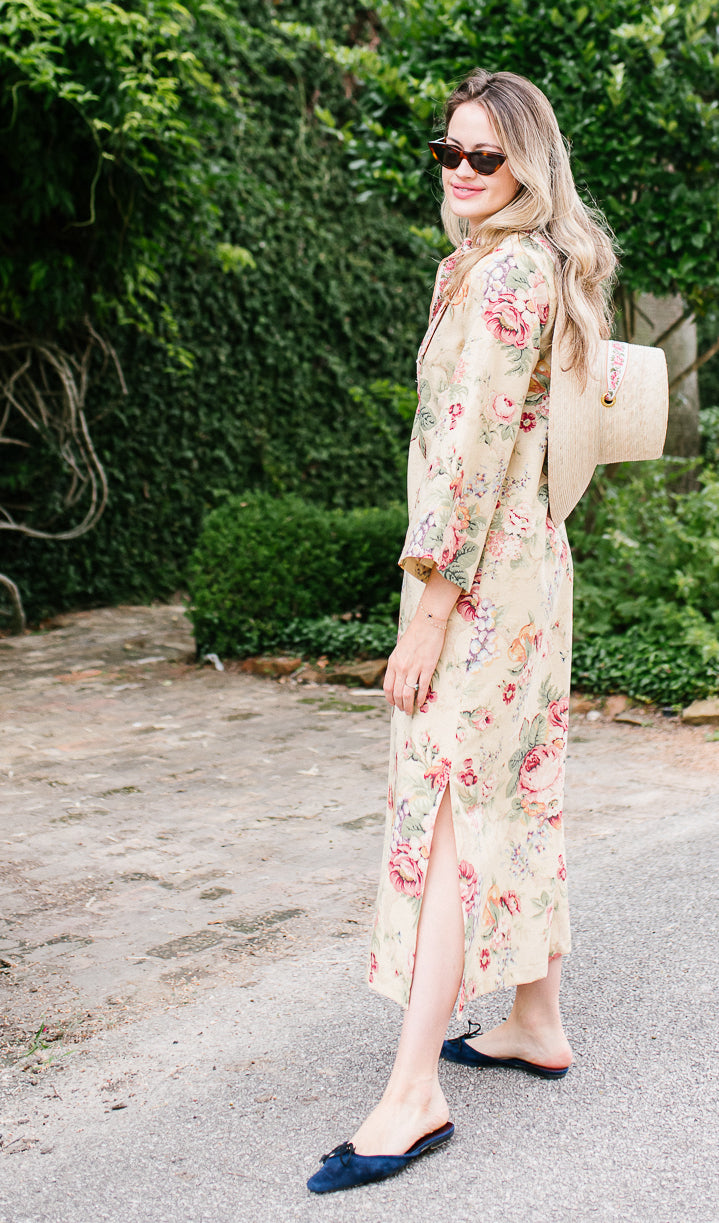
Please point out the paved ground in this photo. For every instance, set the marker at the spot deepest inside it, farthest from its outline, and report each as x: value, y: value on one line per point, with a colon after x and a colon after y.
x: 190, y: 868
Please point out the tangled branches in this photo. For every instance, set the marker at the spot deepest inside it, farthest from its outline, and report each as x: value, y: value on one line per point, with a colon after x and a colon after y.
x: 43, y: 389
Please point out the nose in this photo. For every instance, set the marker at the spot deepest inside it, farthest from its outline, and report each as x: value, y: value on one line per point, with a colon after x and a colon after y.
x: 464, y: 170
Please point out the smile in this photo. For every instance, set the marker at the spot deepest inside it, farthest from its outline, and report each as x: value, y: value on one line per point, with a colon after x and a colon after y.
x: 461, y: 190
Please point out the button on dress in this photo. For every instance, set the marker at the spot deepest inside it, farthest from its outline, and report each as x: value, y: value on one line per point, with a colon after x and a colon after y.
x: 494, y: 726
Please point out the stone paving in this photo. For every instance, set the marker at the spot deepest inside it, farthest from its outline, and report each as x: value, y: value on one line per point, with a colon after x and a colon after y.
x: 188, y: 870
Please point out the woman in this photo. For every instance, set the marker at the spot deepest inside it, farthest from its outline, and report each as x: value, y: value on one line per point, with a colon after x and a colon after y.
x: 472, y: 894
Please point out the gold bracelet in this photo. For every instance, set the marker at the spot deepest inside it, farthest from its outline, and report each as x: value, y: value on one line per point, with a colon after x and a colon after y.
x: 434, y: 620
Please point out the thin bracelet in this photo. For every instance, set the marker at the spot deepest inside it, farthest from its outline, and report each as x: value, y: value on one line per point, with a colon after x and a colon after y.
x: 434, y: 620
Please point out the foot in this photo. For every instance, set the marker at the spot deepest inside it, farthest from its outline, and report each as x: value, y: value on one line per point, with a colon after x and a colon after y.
x: 544, y: 1045
x: 398, y: 1122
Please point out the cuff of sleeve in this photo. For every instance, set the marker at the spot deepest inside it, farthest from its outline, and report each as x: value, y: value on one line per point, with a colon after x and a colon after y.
x: 447, y: 541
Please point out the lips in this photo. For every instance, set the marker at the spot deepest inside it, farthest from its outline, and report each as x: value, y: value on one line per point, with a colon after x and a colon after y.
x: 461, y: 190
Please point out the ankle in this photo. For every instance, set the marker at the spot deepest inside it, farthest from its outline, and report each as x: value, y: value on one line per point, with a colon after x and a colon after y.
x: 536, y: 1020
x: 412, y: 1093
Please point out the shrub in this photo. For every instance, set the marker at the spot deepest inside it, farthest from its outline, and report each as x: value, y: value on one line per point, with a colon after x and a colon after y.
x: 264, y: 563
x: 647, y: 573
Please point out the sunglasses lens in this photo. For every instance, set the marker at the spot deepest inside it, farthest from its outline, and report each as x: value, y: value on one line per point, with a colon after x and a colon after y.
x: 486, y: 163
x: 445, y: 154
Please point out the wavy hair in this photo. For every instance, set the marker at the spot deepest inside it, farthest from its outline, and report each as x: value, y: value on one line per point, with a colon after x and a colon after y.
x: 546, y: 202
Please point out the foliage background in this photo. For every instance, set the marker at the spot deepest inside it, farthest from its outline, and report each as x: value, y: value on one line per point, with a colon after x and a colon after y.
x: 236, y: 194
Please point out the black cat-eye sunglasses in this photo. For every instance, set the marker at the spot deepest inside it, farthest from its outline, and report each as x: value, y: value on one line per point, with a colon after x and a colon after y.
x: 450, y: 156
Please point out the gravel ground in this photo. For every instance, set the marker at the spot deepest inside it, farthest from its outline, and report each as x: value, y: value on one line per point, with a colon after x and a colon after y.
x: 189, y: 863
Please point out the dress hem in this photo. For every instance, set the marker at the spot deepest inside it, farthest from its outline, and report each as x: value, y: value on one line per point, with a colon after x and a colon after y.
x: 523, y: 976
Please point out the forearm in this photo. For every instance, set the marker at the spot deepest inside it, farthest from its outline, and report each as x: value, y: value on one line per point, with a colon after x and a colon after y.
x: 438, y: 599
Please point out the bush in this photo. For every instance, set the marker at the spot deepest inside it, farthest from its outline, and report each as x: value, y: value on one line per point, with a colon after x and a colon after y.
x: 264, y: 566
x: 647, y: 572
x: 278, y: 573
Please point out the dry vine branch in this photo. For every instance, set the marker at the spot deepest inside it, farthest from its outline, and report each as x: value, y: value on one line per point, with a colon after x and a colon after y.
x: 46, y: 386
x: 17, y: 623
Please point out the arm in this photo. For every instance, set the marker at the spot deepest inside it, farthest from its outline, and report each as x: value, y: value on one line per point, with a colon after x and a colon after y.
x: 469, y: 415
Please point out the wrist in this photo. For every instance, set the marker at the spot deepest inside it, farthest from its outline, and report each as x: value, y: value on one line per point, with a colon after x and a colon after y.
x: 433, y: 618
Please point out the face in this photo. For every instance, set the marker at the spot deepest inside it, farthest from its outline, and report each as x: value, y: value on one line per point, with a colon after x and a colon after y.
x: 471, y: 195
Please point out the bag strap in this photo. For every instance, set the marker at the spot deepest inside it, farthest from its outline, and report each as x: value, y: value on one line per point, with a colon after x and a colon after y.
x: 617, y: 355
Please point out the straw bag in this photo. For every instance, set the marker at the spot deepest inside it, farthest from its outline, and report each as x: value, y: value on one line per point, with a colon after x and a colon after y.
x: 621, y: 414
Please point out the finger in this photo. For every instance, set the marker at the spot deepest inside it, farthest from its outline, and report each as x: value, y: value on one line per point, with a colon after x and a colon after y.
x: 388, y: 684
x: 425, y: 682
x: 409, y: 696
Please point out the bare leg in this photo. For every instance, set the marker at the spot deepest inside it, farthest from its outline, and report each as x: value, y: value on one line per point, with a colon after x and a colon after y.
x: 534, y: 1029
x: 413, y: 1103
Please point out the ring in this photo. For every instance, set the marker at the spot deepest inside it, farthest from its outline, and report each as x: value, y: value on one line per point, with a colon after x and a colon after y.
x: 415, y: 687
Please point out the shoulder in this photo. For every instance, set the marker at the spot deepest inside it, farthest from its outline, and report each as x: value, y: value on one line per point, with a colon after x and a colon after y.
x: 517, y: 278
x: 521, y: 260
x: 522, y: 269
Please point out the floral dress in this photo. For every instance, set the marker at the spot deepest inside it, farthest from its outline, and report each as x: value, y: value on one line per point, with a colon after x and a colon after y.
x: 494, y: 725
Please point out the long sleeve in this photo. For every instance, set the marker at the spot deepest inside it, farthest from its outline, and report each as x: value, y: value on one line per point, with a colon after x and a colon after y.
x: 484, y: 353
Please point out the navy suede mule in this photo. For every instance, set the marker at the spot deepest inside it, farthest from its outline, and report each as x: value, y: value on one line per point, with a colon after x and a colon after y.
x: 457, y: 1050
x: 343, y: 1168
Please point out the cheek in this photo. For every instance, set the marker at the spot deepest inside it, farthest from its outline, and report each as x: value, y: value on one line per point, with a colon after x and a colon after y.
x: 507, y: 184
x: 446, y: 176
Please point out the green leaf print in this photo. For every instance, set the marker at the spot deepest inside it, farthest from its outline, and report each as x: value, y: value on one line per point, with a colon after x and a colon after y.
x: 537, y: 731
x: 517, y: 278
x: 520, y: 362
x: 412, y: 826
x: 549, y: 693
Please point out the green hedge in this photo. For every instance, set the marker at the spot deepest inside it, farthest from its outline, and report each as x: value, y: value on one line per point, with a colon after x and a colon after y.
x: 273, y: 573
x: 265, y: 567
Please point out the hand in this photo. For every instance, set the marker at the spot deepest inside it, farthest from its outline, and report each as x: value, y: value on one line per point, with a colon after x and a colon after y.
x: 412, y: 664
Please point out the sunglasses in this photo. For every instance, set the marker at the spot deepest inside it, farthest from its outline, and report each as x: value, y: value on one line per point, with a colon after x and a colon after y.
x: 449, y: 156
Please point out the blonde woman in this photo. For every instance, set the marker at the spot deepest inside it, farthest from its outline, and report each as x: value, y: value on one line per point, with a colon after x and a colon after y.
x: 472, y: 894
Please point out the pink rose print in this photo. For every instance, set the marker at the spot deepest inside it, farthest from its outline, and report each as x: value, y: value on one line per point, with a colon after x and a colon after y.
x: 467, y: 604
x: 528, y: 422
x: 503, y: 408
x: 468, y: 777
x: 405, y: 872
x: 372, y: 967
x: 506, y: 321
x: 481, y: 718
x: 455, y: 411
x: 558, y: 714
x: 484, y: 959
x: 510, y: 900
x: 517, y: 520
x: 469, y: 600
x: 509, y: 693
x: 561, y: 870
x: 430, y: 699
x: 503, y: 547
x: 541, y: 771
x: 467, y: 884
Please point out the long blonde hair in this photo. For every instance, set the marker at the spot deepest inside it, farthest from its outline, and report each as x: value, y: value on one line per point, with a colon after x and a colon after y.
x: 547, y: 202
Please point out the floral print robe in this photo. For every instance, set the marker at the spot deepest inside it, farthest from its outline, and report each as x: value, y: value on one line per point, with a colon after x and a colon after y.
x: 494, y: 725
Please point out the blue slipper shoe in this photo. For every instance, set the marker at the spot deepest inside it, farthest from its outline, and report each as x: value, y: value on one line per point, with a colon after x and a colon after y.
x: 343, y: 1168
x: 457, y: 1050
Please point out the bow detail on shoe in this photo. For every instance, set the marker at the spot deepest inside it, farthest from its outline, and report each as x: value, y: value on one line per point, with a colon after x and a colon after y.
x: 345, y: 1148
x: 473, y: 1029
